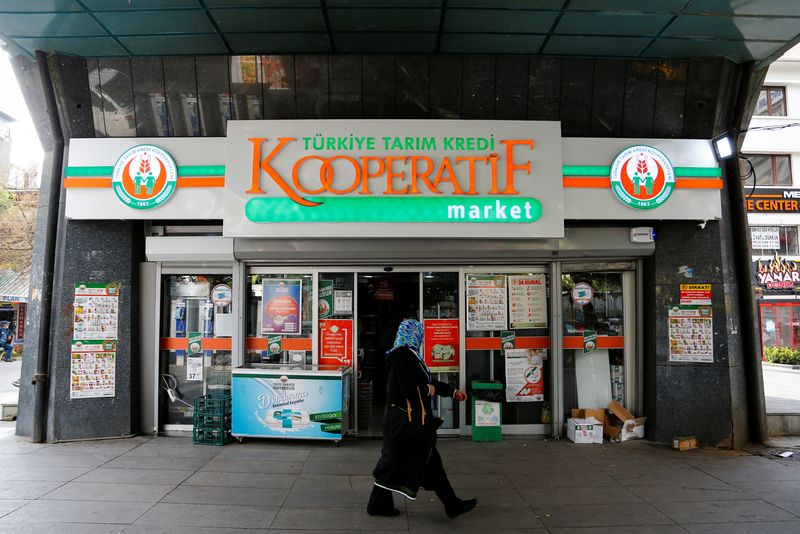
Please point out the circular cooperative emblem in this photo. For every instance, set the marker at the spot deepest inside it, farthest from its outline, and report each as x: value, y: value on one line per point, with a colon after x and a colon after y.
x: 642, y: 177
x: 582, y: 293
x: 144, y: 177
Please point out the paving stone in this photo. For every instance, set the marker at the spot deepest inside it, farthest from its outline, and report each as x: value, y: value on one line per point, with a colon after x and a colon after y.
x: 135, y: 476
x: 79, y: 512
x: 772, y: 527
x: 174, y: 529
x: 42, y: 474
x: 466, y: 481
x: 330, y: 498
x: 240, y: 480
x: 723, y: 511
x: 338, y: 468
x: 94, y: 491
x: 642, y: 529
x: 156, y: 462
x: 25, y: 489
x: 227, y: 495
x: 601, y: 515
x: 208, y: 515
x: 483, y: 518
x: 50, y: 459
x: 322, y: 481
x: 263, y: 453
x: 252, y: 466
x: 669, y: 493
x: 9, y: 505
x: 38, y: 527
x: 323, y: 518
x: 537, y: 497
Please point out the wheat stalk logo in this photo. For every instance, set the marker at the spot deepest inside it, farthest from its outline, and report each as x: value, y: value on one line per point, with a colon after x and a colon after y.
x: 144, y: 176
x: 642, y: 176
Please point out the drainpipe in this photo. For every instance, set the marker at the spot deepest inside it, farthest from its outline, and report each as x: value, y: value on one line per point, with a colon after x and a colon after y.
x: 754, y: 381
x: 41, y: 376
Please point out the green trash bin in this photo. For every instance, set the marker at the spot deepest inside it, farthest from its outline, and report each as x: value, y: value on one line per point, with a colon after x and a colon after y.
x: 487, y: 410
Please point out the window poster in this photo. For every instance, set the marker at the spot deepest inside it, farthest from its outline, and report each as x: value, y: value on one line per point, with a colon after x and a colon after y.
x: 282, y: 305
x: 441, y: 345
x: 336, y: 342
x: 691, y: 334
x: 95, y: 311
x: 343, y: 302
x: 528, y: 301
x: 92, y: 369
x: 486, y: 302
x: 524, y: 375
x: 194, y: 360
x: 325, y: 300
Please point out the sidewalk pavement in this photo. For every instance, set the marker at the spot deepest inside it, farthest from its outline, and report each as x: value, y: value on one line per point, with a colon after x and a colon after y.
x: 150, y: 485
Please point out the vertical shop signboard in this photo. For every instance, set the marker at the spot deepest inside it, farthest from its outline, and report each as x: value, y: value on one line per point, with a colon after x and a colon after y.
x: 194, y: 357
x: 524, y: 375
x: 507, y: 341
x: 21, y: 312
x: 336, y: 342
x: 325, y: 300
x: 92, y: 368
x: 528, y: 301
x: 487, y: 303
x: 274, y: 345
x: 589, y: 341
x: 95, y: 311
x: 442, y: 345
x: 282, y: 306
x: 691, y: 334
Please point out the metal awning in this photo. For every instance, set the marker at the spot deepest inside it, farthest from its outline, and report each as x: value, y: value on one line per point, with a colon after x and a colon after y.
x: 740, y: 30
x: 14, y: 285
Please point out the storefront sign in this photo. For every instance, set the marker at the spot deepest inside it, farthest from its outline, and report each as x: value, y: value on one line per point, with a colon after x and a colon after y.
x: 691, y: 334
x: 642, y: 177
x: 22, y: 310
x: 695, y: 294
x: 772, y: 200
x: 441, y: 345
x: 282, y: 306
x: 287, y: 406
x: 777, y: 273
x: 144, y: 177
x: 336, y: 342
x: 582, y: 293
x: 434, y: 172
x: 528, y: 301
x: 325, y: 300
x: 221, y: 295
x: 92, y: 369
x: 486, y: 302
x: 524, y: 375
x: 765, y: 237
x: 95, y: 311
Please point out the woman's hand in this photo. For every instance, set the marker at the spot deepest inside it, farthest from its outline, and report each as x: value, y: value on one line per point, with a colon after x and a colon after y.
x: 459, y: 395
x: 431, y: 390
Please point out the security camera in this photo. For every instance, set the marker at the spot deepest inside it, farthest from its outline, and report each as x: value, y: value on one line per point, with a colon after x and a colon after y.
x: 388, y: 269
x: 701, y: 226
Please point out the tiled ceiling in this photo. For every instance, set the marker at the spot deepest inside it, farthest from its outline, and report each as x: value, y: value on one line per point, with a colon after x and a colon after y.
x: 741, y: 30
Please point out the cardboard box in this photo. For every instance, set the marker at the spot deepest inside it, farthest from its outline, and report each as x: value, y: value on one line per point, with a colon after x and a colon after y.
x: 631, y: 427
x: 684, y: 443
x: 585, y: 430
x: 586, y: 413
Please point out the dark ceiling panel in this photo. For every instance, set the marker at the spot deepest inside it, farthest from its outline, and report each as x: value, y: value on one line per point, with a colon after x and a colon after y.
x: 155, y: 22
x: 389, y: 19
x: 49, y: 25
x: 633, y: 24
x: 654, y: 6
x: 160, y: 45
x: 130, y: 5
x: 499, y: 21
x: 269, y: 20
x: 478, y: 43
x: 737, y: 28
x: 11, y: 6
x: 742, y: 7
x: 562, y: 45
x: 279, y: 43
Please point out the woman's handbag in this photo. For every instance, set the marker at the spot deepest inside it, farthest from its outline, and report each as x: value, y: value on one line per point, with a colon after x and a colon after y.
x: 403, y: 423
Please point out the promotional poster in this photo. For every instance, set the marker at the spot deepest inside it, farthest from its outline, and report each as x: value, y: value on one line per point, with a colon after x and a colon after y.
x: 441, y: 344
x: 281, y: 306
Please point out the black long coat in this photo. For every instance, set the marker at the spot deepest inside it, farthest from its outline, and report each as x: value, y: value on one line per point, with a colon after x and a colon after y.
x: 409, y: 458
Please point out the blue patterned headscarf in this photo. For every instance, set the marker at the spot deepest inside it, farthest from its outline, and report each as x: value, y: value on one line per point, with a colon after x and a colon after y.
x: 410, y: 334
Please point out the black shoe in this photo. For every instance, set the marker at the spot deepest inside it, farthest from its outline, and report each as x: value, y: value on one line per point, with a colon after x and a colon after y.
x: 406, y: 492
x: 461, y: 507
x: 385, y: 513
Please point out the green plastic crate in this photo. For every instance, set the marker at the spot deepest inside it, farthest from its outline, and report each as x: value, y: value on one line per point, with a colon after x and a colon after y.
x: 212, y: 420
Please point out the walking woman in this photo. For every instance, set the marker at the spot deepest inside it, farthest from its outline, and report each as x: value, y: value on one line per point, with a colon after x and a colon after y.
x: 409, y: 459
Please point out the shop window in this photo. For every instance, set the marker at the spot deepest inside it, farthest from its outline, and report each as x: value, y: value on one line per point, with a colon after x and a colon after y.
x: 440, y: 305
x: 594, y: 355
x: 771, y: 102
x: 279, y: 318
x: 766, y: 169
x: 780, y: 325
x: 194, y: 307
x: 766, y: 240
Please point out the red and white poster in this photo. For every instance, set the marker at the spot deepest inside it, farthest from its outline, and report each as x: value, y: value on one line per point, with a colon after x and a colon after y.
x: 695, y: 295
x: 441, y: 345
x: 524, y: 375
x: 336, y: 342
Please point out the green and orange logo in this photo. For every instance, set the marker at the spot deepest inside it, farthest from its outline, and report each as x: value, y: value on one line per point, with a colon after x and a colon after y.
x: 642, y: 177
x: 144, y: 177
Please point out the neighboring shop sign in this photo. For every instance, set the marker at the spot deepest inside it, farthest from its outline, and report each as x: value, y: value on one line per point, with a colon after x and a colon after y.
x: 144, y: 177
x: 21, y: 314
x: 92, y: 369
x: 695, y: 294
x: 772, y: 200
x: 778, y: 274
x: 691, y: 334
x: 642, y: 177
x: 282, y: 306
x: 441, y: 345
x: 394, y: 171
x: 528, y: 301
x: 765, y: 237
x: 582, y: 293
x: 95, y: 311
x: 287, y: 406
x: 486, y: 302
x: 524, y: 375
x: 336, y: 342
